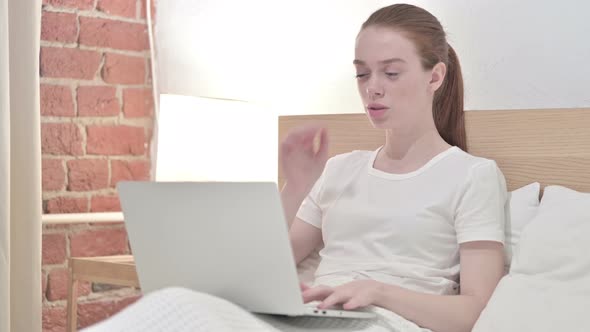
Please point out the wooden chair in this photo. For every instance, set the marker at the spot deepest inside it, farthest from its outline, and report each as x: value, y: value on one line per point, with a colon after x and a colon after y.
x: 116, y: 270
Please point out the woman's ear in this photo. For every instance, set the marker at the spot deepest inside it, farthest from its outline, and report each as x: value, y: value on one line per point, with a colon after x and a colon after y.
x: 437, y: 76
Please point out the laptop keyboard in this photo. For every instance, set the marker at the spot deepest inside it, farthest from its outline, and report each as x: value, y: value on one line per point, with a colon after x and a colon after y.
x: 307, y: 323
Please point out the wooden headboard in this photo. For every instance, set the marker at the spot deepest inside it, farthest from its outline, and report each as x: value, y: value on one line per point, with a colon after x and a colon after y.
x: 550, y: 146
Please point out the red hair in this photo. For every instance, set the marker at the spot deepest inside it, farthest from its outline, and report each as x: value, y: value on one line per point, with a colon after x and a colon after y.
x: 429, y: 37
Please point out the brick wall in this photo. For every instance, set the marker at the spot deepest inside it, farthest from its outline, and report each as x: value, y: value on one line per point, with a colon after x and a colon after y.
x: 96, y: 114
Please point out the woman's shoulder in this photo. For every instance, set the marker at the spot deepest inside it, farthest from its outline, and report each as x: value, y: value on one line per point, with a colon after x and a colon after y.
x: 346, y: 163
x: 478, y: 169
x: 470, y: 161
x: 345, y: 166
x: 353, y: 158
x: 467, y: 168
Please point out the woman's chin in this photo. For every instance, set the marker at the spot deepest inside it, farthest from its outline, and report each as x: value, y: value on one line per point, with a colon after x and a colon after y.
x: 388, y: 123
x: 379, y: 122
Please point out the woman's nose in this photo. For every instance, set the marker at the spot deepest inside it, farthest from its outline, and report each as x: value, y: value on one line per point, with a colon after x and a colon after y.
x: 375, y: 92
x: 374, y: 87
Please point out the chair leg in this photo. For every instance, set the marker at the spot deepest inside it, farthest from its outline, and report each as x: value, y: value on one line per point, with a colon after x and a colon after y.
x: 72, y: 304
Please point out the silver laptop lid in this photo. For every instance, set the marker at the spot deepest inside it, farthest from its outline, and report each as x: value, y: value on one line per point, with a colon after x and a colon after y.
x: 226, y: 239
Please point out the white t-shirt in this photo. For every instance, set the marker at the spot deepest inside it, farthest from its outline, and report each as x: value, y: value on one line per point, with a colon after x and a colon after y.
x: 404, y: 229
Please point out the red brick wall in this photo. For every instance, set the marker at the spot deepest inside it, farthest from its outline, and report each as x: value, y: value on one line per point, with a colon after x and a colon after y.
x: 96, y: 114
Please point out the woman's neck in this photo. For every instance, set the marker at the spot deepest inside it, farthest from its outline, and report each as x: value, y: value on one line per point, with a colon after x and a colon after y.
x: 410, y: 150
x: 399, y: 144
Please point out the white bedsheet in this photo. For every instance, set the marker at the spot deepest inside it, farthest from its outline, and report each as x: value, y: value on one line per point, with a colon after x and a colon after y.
x: 177, y: 309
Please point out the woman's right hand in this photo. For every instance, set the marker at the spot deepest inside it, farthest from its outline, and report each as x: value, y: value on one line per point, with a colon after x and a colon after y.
x: 301, y: 164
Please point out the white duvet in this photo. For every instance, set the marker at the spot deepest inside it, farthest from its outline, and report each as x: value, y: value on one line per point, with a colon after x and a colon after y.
x: 520, y: 303
x: 528, y: 303
x: 182, y: 310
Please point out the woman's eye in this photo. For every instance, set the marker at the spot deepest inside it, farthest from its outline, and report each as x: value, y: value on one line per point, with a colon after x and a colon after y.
x: 361, y: 75
x: 392, y: 74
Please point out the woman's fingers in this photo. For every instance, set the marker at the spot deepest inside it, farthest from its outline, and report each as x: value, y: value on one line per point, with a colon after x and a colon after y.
x: 303, y: 287
x: 318, y: 293
x: 304, y: 137
x: 353, y: 303
x: 323, y: 149
x: 304, y: 133
x: 333, y: 299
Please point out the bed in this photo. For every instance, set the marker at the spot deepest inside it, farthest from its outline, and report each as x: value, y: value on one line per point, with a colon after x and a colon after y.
x: 548, y: 285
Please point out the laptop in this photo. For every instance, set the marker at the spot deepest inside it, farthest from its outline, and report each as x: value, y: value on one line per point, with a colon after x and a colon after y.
x: 228, y: 239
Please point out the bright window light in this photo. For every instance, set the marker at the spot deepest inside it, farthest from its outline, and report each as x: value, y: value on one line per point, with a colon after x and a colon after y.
x: 207, y: 139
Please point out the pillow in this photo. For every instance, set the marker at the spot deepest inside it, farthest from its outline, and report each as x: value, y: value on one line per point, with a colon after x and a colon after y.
x: 522, y: 207
x: 556, y: 244
x: 525, y: 303
x: 548, y: 287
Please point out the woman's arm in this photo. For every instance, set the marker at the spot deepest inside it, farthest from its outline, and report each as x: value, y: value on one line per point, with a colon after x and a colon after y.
x: 304, y: 237
x: 291, y: 198
x: 302, y: 165
x: 482, y: 267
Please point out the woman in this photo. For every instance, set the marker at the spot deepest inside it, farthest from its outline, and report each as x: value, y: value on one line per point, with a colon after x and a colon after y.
x: 415, y: 227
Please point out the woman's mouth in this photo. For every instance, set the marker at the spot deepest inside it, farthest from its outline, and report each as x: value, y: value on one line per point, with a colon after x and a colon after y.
x: 376, y: 110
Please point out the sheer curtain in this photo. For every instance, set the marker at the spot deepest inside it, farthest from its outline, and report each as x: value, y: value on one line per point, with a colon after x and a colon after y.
x: 20, y: 166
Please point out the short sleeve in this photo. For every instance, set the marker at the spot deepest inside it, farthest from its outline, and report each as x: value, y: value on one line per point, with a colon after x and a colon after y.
x: 480, y: 213
x: 310, y: 210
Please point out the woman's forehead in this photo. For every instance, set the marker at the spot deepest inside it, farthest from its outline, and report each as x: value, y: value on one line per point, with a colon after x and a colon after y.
x: 377, y: 44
